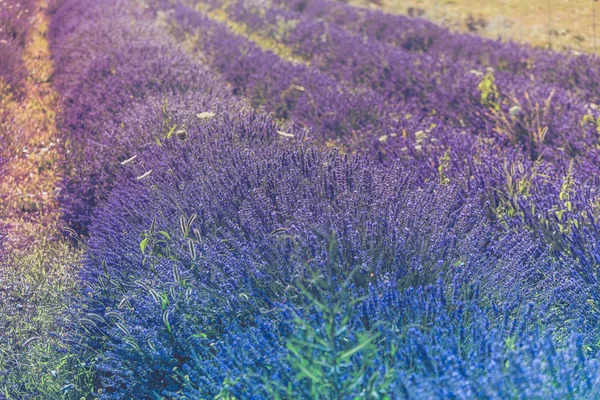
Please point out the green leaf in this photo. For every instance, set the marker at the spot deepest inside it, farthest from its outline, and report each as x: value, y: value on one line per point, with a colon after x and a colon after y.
x: 165, y: 234
x: 104, y: 269
x: 171, y: 131
x: 324, y: 364
x: 143, y: 245
x: 569, y: 206
x: 290, y: 346
x: 343, y: 329
x: 164, y: 300
x: 358, y: 348
x: 309, y: 374
x: 166, y: 320
x: 311, y: 345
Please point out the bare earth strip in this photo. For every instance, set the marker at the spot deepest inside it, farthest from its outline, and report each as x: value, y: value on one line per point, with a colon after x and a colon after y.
x: 28, y: 186
x: 559, y: 24
x: 38, y: 273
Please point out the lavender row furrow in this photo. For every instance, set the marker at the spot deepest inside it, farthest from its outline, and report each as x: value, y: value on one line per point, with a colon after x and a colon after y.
x: 515, y: 185
x: 227, y: 255
x: 576, y: 73
x: 289, y: 90
x: 398, y: 75
x: 450, y: 89
x: 125, y: 89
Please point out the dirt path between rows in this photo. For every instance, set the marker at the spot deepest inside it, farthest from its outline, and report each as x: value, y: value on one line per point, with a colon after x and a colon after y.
x: 29, y: 186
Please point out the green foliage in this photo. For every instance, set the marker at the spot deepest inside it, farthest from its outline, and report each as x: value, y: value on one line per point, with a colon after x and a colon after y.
x: 329, y: 357
x: 489, y: 95
x: 153, y: 241
x: 37, y: 287
x: 565, y: 205
x: 443, y: 167
x: 168, y: 126
x: 591, y: 118
x: 519, y: 184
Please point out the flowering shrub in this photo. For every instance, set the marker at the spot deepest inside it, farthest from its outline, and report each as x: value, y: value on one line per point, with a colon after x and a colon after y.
x: 426, y: 344
x: 120, y: 96
x: 448, y: 249
x: 577, y: 73
x: 542, y: 124
x: 531, y: 114
x: 217, y: 235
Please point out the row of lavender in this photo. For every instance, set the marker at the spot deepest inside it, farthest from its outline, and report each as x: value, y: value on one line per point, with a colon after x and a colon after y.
x: 124, y: 90
x: 578, y: 73
x: 129, y: 95
x: 536, y: 195
x: 344, y: 114
x: 228, y: 257
x: 548, y: 115
x: 557, y: 202
x: 451, y: 86
x: 568, y: 216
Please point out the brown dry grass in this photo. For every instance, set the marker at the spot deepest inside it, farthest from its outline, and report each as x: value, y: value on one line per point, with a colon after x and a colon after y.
x: 38, y: 272
x: 560, y: 24
x: 28, y: 187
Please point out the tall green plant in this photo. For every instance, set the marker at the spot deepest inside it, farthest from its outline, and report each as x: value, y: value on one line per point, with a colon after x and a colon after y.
x: 325, y: 352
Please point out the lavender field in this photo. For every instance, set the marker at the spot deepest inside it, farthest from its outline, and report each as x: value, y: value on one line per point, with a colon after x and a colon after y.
x: 292, y: 199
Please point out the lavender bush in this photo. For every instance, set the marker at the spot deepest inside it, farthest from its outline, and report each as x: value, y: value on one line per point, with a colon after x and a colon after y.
x: 120, y: 96
x: 447, y: 248
x: 543, y: 125
x: 453, y: 89
x: 471, y: 351
x: 573, y: 72
x: 220, y: 235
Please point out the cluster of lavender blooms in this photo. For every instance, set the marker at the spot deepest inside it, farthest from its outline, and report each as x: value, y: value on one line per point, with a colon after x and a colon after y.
x: 448, y: 85
x: 218, y: 238
x: 425, y: 351
x: 523, y: 175
x: 575, y: 72
x: 230, y: 254
x: 118, y: 83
